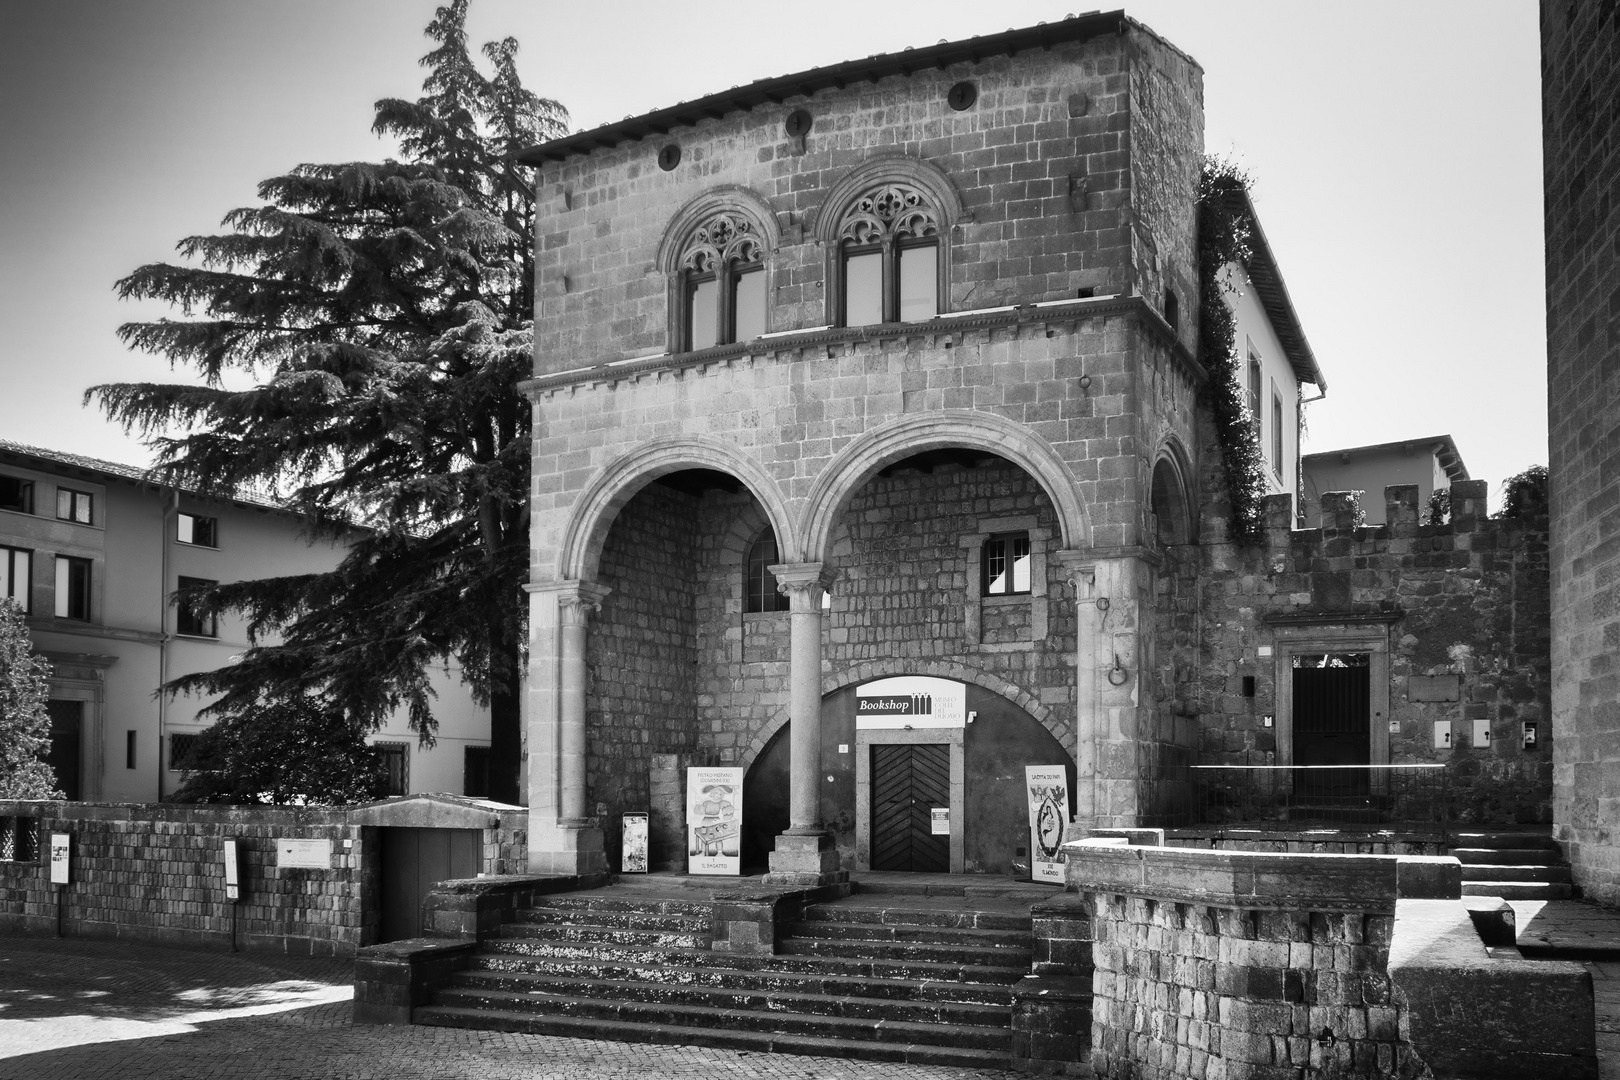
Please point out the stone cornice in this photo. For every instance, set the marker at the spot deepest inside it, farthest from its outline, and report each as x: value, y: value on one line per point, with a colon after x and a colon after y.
x: 1050, y: 318
x: 1332, y: 618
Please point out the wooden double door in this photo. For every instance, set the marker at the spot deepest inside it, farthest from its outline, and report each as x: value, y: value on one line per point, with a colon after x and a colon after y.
x: 909, y: 782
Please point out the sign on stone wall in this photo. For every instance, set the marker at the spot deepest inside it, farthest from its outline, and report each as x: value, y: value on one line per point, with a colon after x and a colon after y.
x: 714, y: 821
x: 634, y: 857
x: 911, y: 701
x: 303, y: 854
x: 1048, y: 788
x: 61, y: 847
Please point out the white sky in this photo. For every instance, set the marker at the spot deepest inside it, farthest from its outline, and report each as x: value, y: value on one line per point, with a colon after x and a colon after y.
x: 1396, y: 149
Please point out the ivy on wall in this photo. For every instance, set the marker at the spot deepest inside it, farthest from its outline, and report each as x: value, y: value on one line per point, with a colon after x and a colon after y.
x: 1223, y: 239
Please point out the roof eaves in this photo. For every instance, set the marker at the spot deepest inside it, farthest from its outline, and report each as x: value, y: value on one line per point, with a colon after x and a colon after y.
x: 778, y: 89
x: 1268, y: 283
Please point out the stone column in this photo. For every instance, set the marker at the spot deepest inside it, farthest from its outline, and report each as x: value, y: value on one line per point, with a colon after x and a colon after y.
x: 563, y: 839
x: 1080, y: 571
x: 807, y: 853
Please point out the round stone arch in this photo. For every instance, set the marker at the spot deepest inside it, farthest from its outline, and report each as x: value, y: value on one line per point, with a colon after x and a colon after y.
x: 1170, y: 494
x: 731, y: 197
x: 602, y: 499
x: 924, y: 175
x: 869, y: 454
x: 1061, y: 730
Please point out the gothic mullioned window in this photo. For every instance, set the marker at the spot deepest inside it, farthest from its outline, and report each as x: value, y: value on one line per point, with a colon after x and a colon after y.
x: 889, y: 257
x: 722, y: 287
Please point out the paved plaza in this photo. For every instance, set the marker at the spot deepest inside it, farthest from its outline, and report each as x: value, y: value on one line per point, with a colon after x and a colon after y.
x: 79, y: 1009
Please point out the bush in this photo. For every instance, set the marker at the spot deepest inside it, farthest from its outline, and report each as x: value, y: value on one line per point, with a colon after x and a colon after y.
x: 287, y: 751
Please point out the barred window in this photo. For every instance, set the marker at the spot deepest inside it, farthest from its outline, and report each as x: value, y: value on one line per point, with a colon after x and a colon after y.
x: 19, y: 839
x: 397, y: 761
x: 763, y: 594
x: 181, y: 744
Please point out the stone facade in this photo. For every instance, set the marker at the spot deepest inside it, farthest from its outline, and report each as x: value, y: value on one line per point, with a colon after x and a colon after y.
x: 1580, y: 51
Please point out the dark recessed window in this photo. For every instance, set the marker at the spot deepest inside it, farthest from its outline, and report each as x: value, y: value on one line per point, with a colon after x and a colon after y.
x: 16, y: 577
x: 396, y: 758
x: 1276, y: 434
x: 198, y: 530
x: 1254, y: 385
x: 189, y: 620
x: 181, y: 745
x: 72, y: 588
x: 16, y: 494
x: 131, y: 739
x: 475, y: 772
x: 1005, y: 565
x: 762, y: 592
x: 1172, y: 309
x: 73, y: 505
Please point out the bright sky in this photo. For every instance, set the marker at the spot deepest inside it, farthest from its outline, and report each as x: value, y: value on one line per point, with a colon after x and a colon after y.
x: 1396, y: 148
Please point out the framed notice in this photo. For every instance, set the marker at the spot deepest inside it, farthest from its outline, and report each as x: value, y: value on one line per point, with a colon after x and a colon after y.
x: 61, y: 849
x: 939, y: 820
x: 1048, y: 789
x: 714, y: 821
x: 304, y: 854
x: 233, y: 869
x: 634, y: 857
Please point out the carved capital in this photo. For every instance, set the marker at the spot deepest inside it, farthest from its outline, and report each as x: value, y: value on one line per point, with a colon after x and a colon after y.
x: 575, y: 599
x: 803, y: 583
x: 1078, y: 569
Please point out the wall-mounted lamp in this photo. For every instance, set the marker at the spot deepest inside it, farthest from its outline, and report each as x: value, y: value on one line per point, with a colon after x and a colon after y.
x: 1117, y: 675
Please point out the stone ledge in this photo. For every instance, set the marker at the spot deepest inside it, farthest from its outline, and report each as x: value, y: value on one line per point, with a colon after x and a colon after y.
x: 390, y: 980
x: 752, y: 923
x: 472, y: 908
x: 1473, y: 1010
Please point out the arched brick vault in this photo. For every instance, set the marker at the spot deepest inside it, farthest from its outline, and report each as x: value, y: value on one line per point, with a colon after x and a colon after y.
x: 1061, y: 730
x: 615, y: 485
x: 869, y: 454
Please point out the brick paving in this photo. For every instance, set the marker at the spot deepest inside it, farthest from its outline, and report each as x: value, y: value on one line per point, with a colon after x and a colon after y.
x: 82, y: 1010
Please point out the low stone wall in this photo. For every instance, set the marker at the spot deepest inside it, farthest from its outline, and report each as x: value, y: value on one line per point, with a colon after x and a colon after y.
x: 1305, y: 841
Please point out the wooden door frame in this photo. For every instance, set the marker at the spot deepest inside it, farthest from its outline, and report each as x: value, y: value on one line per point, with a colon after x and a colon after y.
x: 865, y: 739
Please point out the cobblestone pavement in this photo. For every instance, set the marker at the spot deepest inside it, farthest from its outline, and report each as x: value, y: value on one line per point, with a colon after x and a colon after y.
x: 83, y: 1010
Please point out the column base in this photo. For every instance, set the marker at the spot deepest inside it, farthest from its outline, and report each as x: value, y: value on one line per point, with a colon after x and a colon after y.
x: 805, y: 860
x: 566, y: 848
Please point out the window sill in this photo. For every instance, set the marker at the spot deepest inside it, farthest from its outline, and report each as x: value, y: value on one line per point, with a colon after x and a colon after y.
x: 196, y: 637
x: 764, y: 616
x: 202, y: 547
x: 1005, y: 599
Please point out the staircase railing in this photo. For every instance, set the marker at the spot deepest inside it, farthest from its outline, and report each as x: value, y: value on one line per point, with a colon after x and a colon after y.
x: 1412, y: 799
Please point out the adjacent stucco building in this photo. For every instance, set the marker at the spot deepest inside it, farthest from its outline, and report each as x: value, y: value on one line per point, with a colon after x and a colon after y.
x: 1431, y: 464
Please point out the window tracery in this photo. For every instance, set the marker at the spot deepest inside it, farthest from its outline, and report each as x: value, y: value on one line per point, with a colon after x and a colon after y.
x: 722, y: 267
x: 889, y: 256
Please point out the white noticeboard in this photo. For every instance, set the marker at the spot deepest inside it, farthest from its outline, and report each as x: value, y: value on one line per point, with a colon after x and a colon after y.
x: 634, y: 857
x: 304, y: 854
x: 714, y: 821
x: 233, y: 871
x: 911, y: 701
x: 1048, y: 789
x: 61, y: 848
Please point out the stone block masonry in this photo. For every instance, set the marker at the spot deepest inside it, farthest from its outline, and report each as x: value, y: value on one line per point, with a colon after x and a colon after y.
x: 1580, y: 101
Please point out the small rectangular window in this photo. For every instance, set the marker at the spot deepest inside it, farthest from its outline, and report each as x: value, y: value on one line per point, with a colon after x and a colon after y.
x: 702, y: 314
x: 130, y: 740
x: 475, y: 772
x: 73, y: 505
x: 72, y: 588
x: 16, y: 494
x: 197, y: 530
x: 190, y: 621
x: 1276, y: 433
x: 16, y: 577
x: 919, y: 283
x: 863, y: 288
x: 1254, y: 384
x: 397, y: 767
x: 181, y: 744
x: 748, y: 305
x: 1005, y: 565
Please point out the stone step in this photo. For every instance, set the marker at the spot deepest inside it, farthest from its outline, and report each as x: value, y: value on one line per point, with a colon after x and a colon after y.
x: 661, y: 1013
x: 650, y: 905
x: 962, y: 955
x: 923, y: 1052
x: 1519, y: 890
x: 931, y: 885
x: 583, y: 933
x: 1505, y: 840
x: 950, y: 969
x: 1503, y: 856
x: 1487, y: 872
x: 813, y: 1003
x: 628, y: 920
x: 960, y: 919
x: 742, y: 979
x: 924, y: 935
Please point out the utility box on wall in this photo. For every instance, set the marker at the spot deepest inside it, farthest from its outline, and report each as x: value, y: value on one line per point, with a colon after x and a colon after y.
x: 1482, y: 732
x: 1442, y: 734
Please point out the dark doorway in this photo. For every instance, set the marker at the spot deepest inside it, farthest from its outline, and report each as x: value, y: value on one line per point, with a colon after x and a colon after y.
x: 412, y: 860
x: 1331, y: 722
x: 908, y: 782
x: 67, y: 733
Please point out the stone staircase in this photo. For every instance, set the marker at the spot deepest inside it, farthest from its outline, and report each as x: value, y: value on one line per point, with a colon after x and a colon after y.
x: 880, y: 976
x: 1512, y: 865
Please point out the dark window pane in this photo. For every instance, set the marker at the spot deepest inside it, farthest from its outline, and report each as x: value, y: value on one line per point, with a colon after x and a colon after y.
x: 703, y: 314
x: 1277, y: 436
x: 192, y: 529
x: 67, y: 722
x: 181, y: 745
x: 191, y: 622
x: 475, y: 772
x: 16, y: 495
x: 863, y: 289
x: 919, y: 283
x: 748, y: 305
x: 16, y: 577
x: 396, y: 767
x: 762, y: 592
x: 72, y: 588
x: 995, y: 567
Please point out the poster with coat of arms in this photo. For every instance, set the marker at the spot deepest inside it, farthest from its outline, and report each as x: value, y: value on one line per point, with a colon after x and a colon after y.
x: 1048, y: 818
x: 714, y: 821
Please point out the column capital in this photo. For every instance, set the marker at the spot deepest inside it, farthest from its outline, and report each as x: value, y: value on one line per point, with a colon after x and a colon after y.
x: 803, y: 583
x: 574, y: 598
x: 1078, y: 567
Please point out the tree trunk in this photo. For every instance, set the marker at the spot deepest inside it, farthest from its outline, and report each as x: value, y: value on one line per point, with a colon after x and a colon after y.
x: 505, y: 717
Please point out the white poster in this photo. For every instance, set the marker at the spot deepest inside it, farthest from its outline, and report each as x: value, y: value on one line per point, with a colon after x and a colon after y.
x: 61, y: 846
x: 911, y: 701
x: 1048, y: 818
x: 634, y: 859
x: 714, y: 821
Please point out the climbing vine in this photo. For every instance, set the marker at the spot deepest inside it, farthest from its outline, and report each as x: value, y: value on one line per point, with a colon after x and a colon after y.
x: 1223, y: 239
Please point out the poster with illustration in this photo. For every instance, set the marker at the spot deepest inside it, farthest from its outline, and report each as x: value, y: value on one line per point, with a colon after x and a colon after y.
x: 1048, y: 818
x: 714, y: 821
x: 634, y: 858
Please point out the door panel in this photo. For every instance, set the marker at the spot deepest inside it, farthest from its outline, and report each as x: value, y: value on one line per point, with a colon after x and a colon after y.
x: 908, y: 781
x: 67, y: 726
x: 412, y: 861
x: 1331, y: 726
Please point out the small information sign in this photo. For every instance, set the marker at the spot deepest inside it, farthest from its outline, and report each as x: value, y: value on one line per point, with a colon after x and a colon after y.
x: 634, y: 859
x: 939, y: 817
x: 233, y: 862
x: 305, y: 854
x: 61, y: 848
